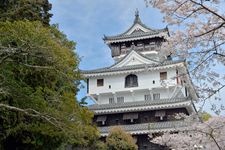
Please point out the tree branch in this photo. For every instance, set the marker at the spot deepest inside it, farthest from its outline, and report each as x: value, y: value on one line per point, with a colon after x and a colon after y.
x: 214, y: 29
x: 33, y: 113
x: 209, y: 10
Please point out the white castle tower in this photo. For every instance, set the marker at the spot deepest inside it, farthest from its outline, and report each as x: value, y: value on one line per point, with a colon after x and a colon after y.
x: 142, y: 90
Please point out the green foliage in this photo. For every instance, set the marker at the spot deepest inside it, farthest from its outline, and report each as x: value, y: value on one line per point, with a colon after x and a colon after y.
x: 39, y: 76
x: 33, y: 10
x: 205, y: 116
x: 118, y: 139
x: 97, y: 145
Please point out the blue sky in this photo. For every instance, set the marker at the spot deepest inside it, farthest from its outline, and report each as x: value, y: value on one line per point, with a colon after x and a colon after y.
x: 87, y: 21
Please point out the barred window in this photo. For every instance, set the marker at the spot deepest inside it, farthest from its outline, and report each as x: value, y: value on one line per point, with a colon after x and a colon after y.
x: 131, y: 81
x: 152, y: 45
x: 111, y: 100
x: 120, y: 99
x: 147, y: 97
x: 156, y: 96
x: 160, y: 113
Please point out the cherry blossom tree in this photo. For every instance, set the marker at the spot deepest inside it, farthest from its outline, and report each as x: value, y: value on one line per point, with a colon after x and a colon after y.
x: 197, y: 33
x: 207, y: 135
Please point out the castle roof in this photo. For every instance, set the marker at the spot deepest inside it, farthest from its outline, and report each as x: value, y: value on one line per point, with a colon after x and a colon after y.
x: 141, y: 106
x: 146, y: 128
x: 138, y: 30
x: 126, y: 64
x: 131, y: 68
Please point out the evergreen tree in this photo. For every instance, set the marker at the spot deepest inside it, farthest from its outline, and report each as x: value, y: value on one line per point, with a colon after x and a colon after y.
x: 38, y: 84
x: 33, y: 10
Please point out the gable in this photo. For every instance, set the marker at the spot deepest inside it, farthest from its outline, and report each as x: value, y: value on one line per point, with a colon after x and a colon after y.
x: 137, y: 27
x: 133, y: 58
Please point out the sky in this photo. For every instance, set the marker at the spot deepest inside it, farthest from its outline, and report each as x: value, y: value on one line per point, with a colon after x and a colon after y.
x: 87, y: 21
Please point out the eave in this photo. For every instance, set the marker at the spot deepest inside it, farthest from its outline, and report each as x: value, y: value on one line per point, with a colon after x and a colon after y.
x: 143, y: 106
x: 147, y: 128
x: 143, y: 32
x: 133, y: 37
x: 132, y: 69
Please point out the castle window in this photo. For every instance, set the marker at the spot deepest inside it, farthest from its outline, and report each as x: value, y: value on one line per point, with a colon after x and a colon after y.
x: 130, y: 116
x: 156, y: 96
x: 120, y: 99
x: 131, y: 81
x: 152, y: 45
x: 100, y: 82
x: 123, y: 45
x: 139, y: 44
x: 111, y: 100
x: 101, y: 119
x: 147, y: 97
x: 163, y: 75
x: 186, y: 91
x: 160, y: 114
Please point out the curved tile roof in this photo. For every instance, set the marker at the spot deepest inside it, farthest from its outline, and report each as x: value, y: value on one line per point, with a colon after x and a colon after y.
x: 124, y: 68
x: 137, y: 104
x: 149, y: 127
x: 134, y: 34
x: 139, y: 53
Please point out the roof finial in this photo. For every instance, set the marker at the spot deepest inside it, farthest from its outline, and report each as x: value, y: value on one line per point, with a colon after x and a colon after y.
x: 136, y: 13
x: 137, y: 19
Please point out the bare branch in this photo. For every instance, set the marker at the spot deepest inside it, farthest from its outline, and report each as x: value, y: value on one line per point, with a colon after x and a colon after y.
x: 212, y: 30
x: 208, y: 9
x: 35, y: 66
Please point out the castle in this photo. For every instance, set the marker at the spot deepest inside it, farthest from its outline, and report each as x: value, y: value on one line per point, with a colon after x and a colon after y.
x: 143, y: 89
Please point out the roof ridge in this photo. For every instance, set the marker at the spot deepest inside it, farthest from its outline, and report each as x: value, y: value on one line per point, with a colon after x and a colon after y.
x: 130, y: 51
x: 109, y: 69
x: 137, y: 20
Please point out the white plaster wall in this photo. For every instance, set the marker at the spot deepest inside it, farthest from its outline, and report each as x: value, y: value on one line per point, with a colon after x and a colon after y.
x: 117, y: 82
x: 135, y: 96
x: 164, y: 93
x: 104, y: 99
x: 140, y: 95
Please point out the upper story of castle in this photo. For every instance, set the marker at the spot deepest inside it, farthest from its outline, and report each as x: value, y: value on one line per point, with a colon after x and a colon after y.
x: 138, y: 37
x: 142, y: 71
